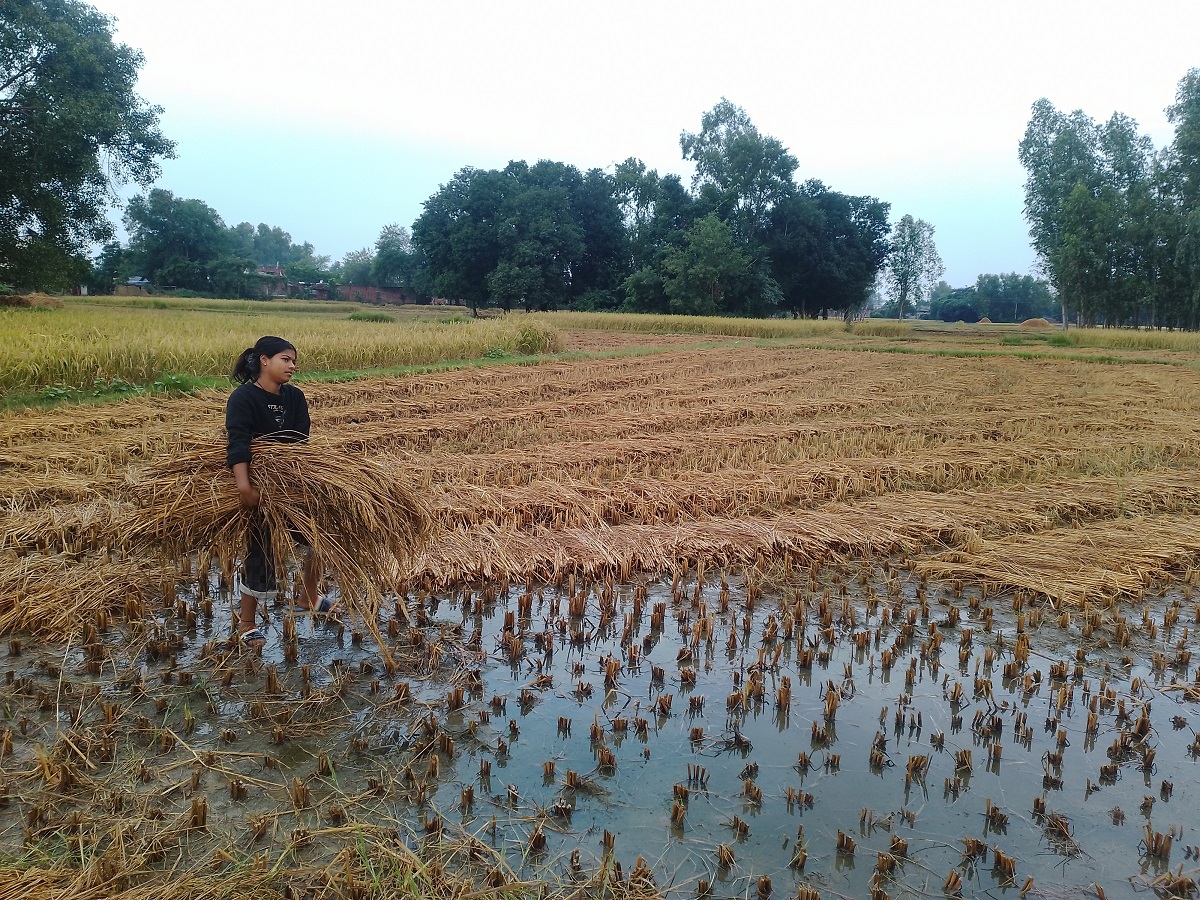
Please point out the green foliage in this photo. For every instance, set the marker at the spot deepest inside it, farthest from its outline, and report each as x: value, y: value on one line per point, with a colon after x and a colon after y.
x: 176, y: 383
x: 1114, y: 221
x: 1013, y: 298
x: 398, y: 263
x: 57, y: 392
x: 355, y: 268
x: 913, y: 265
x: 533, y: 236
x: 110, y: 267
x: 826, y: 249
x: 746, y: 241
x: 957, y: 309
x: 366, y: 316
x: 232, y: 276
x: 747, y: 172
x: 172, y: 241
x: 1061, y: 340
x: 71, y: 127
x: 597, y: 301
x: 708, y: 274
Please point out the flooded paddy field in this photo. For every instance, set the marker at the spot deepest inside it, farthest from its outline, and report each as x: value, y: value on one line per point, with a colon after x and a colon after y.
x: 750, y: 621
x: 847, y: 730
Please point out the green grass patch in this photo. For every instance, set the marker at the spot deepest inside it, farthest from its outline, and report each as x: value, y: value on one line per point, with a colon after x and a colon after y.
x: 371, y: 316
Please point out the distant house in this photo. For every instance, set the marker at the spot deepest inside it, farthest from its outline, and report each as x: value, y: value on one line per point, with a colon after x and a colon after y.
x: 365, y: 294
x: 137, y: 286
x: 272, y: 282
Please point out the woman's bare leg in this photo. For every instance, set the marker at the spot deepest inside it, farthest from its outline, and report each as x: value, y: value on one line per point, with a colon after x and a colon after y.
x: 247, y: 613
x: 310, y: 576
x: 310, y: 582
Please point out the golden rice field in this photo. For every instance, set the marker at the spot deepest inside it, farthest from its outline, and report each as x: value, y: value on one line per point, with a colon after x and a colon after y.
x: 80, y: 343
x: 797, y: 533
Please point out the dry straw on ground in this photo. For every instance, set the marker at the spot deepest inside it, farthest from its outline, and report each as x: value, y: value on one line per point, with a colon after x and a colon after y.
x: 632, y: 466
x: 1072, y: 480
x: 1072, y: 566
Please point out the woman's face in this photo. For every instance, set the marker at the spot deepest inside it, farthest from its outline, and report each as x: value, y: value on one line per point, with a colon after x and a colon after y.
x: 278, y: 368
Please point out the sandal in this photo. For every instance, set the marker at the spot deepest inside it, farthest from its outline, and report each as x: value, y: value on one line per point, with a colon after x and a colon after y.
x: 326, y: 606
x: 252, y: 639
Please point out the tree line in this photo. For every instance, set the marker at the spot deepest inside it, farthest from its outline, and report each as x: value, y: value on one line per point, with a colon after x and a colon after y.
x: 184, y: 245
x: 745, y: 238
x: 1116, y: 223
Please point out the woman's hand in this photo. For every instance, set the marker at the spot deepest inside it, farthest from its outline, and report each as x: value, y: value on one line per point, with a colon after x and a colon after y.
x: 247, y: 492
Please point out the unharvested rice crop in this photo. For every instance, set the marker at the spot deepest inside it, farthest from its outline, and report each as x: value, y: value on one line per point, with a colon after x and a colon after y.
x: 74, y: 346
x: 699, y: 325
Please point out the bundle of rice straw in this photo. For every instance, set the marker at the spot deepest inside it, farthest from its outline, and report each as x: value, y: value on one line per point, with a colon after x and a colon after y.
x: 357, y: 514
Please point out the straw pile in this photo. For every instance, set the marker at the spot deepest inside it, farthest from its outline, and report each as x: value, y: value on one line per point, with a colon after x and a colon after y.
x: 358, y: 515
x: 55, y: 594
x: 1073, y: 566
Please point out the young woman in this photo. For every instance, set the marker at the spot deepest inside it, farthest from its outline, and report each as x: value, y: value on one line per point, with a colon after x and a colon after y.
x: 266, y: 405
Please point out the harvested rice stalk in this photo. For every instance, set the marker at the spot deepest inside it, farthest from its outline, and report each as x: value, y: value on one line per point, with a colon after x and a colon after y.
x: 358, y: 515
x: 57, y: 595
x: 1071, y: 566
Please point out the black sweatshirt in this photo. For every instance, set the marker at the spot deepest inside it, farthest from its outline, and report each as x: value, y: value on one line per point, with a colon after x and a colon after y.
x: 252, y: 412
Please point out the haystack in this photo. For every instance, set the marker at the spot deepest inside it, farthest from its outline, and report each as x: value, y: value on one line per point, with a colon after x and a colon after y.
x: 359, y: 515
x: 28, y: 301
x: 1036, y: 323
x: 984, y: 321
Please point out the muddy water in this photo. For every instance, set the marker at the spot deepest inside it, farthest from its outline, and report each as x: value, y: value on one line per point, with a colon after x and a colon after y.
x: 1070, y: 806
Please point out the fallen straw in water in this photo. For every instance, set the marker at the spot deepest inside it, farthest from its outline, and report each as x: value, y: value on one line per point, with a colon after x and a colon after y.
x: 358, y: 515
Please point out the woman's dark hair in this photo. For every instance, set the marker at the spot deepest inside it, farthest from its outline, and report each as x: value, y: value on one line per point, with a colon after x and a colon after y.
x: 246, y: 368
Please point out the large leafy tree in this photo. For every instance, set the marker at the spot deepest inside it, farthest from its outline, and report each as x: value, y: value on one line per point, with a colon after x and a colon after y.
x: 72, y: 128
x: 741, y: 171
x: 1093, y: 198
x: 913, y: 265
x: 356, y: 268
x: 668, y: 215
x: 1184, y: 114
x: 826, y: 249
x: 709, y: 274
x: 540, y: 236
x: 458, y: 234
x: 1179, y: 209
x: 1012, y: 298
x: 597, y: 273
x: 172, y: 240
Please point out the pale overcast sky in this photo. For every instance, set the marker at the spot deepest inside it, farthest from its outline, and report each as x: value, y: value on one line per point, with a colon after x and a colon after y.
x: 332, y: 120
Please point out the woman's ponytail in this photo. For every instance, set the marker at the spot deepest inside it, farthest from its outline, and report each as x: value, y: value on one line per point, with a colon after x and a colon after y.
x: 246, y: 368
